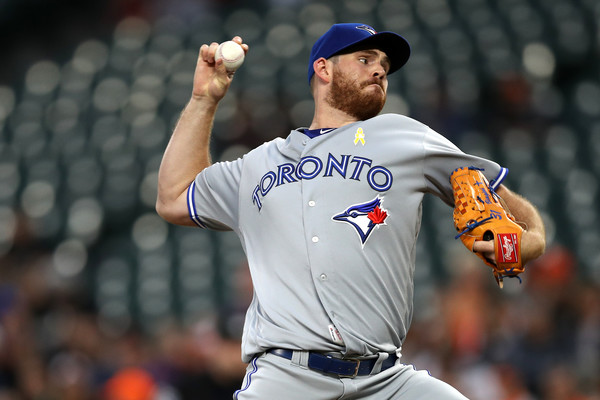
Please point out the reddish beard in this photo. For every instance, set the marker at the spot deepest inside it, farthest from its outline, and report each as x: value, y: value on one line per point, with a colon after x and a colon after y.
x: 347, y: 95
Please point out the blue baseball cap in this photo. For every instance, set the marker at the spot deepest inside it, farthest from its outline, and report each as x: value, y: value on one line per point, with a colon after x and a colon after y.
x: 345, y: 37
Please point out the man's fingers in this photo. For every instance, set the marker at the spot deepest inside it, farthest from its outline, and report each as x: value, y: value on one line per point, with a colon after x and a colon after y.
x: 483, y: 246
x: 207, y: 52
x: 239, y: 41
x: 486, y: 248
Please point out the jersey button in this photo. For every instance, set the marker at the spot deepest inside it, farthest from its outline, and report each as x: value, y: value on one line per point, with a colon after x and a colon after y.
x: 312, y: 203
x: 315, y: 239
x: 323, y: 277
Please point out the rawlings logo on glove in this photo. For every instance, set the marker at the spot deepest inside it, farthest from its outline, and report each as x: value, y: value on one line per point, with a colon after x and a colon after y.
x: 509, y: 249
x: 479, y: 215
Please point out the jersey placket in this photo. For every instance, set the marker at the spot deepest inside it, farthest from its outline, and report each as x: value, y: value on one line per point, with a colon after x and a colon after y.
x: 314, y: 203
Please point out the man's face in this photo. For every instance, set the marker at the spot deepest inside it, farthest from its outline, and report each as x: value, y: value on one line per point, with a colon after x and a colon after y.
x: 359, y: 83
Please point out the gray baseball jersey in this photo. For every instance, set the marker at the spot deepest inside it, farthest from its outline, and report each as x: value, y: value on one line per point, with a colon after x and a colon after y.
x: 329, y: 226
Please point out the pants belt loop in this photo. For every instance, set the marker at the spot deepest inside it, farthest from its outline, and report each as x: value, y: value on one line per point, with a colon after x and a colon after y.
x: 300, y: 358
x: 381, y: 357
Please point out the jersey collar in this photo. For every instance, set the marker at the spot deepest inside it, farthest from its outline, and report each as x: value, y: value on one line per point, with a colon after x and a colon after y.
x: 313, y: 133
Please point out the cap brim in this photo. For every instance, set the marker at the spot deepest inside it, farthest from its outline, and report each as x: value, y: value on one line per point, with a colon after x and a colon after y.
x: 393, y: 45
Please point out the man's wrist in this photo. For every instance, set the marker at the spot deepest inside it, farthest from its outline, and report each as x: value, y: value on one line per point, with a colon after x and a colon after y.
x: 533, y: 245
x: 202, y: 105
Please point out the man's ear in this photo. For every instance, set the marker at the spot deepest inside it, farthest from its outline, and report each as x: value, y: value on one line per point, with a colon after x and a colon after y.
x: 321, y: 71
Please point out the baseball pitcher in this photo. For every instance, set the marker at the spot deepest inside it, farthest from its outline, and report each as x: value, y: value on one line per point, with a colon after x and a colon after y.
x: 329, y: 218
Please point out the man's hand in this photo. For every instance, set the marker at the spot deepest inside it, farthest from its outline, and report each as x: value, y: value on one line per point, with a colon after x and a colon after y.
x: 211, y: 79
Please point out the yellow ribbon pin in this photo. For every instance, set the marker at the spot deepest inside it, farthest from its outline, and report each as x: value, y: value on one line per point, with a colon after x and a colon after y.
x: 359, y: 137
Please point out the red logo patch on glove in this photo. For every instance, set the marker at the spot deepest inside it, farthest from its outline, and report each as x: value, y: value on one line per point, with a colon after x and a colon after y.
x: 508, y: 244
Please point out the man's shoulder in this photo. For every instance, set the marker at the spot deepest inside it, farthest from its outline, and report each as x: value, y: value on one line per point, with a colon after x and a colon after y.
x: 269, y: 143
x: 265, y: 148
x: 398, y: 120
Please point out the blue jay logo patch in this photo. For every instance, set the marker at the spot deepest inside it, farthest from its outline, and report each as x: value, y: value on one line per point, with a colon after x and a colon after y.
x: 367, y: 28
x: 364, y: 217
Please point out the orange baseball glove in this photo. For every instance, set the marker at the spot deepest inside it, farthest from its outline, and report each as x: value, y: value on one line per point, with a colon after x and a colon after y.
x: 479, y: 214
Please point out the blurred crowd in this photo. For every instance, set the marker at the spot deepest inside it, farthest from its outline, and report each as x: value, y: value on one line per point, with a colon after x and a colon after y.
x: 539, y: 339
x: 535, y: 340
x: 54, y: 345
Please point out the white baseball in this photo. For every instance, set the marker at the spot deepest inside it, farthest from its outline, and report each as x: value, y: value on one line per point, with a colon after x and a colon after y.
x: 232, y: 55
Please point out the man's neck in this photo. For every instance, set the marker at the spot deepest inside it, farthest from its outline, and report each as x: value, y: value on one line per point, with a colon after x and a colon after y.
x: 331, y: 118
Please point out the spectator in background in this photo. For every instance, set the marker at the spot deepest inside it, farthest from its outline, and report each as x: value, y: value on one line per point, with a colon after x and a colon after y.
x: 130, y: 384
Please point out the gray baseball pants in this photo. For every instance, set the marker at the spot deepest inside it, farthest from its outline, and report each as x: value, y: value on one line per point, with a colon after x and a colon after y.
x: 269, y: 376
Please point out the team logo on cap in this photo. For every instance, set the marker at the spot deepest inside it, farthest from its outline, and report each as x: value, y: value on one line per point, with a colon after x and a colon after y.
x: 367, y: 28
x: 364, y: 217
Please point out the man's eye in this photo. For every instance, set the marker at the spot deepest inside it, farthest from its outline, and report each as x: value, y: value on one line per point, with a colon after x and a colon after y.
x: 363, y: 60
